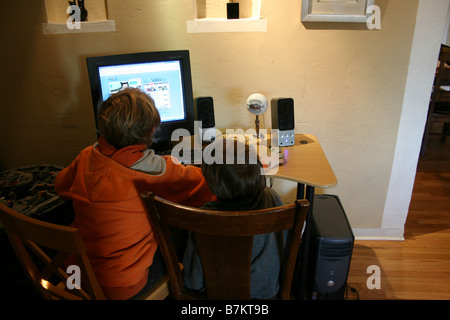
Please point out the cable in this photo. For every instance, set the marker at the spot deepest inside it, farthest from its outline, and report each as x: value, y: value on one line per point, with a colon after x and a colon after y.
x: 353, y: 290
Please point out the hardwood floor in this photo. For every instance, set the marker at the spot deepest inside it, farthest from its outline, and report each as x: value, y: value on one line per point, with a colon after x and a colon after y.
x: 417, y: 268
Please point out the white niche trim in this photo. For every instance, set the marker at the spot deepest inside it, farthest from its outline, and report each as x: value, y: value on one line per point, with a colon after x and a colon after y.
x: 210, y: 16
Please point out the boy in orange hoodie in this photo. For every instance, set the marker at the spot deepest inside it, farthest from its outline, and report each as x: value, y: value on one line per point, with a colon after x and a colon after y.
x: 101, y: 183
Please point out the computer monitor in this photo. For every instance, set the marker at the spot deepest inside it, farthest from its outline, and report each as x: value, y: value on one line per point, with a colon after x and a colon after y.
x: 164, y: 75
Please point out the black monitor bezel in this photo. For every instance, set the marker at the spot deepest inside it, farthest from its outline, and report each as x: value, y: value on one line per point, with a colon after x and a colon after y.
x: 162, y: 136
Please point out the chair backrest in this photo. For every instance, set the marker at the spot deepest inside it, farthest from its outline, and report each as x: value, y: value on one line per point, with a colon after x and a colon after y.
x: 439, y: 107
x: 42, y: 248
x: 442, y: 78
x: 224, y: 241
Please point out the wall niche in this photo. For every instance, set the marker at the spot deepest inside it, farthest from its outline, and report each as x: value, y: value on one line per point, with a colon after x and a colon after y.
x: 57, y: 17
x: 211, y: 16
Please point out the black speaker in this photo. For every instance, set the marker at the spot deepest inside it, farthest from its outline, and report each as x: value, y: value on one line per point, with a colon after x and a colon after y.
x: 330, y: 250
x: 233, y: 10
x: 282, y: 110
x: 205, y: 114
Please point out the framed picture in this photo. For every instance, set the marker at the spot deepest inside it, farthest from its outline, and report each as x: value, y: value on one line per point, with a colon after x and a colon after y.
x: 336, y: 10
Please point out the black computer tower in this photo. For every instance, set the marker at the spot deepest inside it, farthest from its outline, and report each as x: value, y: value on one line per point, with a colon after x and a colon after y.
x: 330, y: 250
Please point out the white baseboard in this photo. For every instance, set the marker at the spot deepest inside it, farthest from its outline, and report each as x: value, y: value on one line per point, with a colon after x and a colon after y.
x: 382, y: 234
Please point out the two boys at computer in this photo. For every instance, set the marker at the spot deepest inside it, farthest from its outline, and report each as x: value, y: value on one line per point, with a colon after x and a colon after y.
x: 101, y: 181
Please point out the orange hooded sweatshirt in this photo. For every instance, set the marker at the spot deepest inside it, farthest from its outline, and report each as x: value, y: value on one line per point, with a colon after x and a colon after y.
x: 111, y: 217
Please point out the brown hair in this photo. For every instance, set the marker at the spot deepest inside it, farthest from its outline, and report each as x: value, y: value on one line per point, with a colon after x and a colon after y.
x: 241, y: 179
x: 128, y: 117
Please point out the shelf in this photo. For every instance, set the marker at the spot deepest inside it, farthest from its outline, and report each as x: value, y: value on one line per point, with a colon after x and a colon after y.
x: 85, y: 27
x: 59, y: 21
x: 210, y: 16
x: 225, y: 25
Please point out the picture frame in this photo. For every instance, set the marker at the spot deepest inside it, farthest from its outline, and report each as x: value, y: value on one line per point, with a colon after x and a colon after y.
x: 354, y: 11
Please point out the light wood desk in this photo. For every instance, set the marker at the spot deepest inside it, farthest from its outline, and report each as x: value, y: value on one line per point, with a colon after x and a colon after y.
x: 305, y: 163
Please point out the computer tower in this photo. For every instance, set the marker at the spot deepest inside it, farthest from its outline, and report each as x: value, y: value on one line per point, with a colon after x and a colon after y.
x: 330, y: 250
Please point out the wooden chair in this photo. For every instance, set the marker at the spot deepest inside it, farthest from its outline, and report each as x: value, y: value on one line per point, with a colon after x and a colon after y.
x: 439, y: 109
x: 42, y: 248
x: 224, y: 240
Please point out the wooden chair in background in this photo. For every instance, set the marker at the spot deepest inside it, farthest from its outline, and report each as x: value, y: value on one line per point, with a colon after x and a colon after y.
x: 439, y: 109
x: 224, y: 241
x: 42, y: 248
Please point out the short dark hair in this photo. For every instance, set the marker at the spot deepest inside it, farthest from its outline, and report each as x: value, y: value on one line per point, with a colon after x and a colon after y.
x: 241, y: 179
x: 128, y: 117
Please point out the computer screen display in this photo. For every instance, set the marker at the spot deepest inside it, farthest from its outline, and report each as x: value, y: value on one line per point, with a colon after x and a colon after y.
x: 164, y: 75
x: 162, y: 80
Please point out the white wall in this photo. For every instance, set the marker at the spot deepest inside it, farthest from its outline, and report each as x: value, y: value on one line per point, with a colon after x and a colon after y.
x: 446, y: 35
x: 348, y: 84
x: 428, y: 35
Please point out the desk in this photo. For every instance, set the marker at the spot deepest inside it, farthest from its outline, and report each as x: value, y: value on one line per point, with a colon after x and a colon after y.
x: 305, y: 164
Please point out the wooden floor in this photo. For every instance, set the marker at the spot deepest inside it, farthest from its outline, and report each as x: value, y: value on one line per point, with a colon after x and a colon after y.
x: 419, y: 266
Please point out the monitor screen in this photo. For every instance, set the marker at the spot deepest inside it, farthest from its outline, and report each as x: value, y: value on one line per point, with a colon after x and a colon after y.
x: 161, y: 80
x: 164, y: 75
